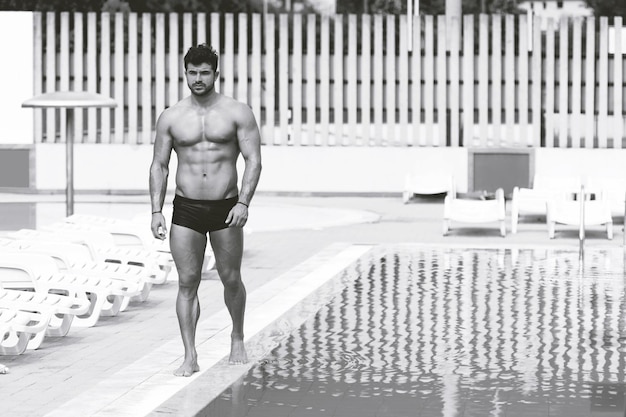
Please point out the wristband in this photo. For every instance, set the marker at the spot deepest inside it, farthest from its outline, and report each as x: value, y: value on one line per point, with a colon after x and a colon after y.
x: 239, y: 202
x: 155, y: 212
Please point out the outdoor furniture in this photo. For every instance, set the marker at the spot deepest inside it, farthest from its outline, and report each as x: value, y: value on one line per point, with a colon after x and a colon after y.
x: 532, y: 201
x: 476, y: 208
x: 427, y: 184
x: 19, y: 270
x: 69, y: 100
x: 17, y: 328
x: 579, y: 209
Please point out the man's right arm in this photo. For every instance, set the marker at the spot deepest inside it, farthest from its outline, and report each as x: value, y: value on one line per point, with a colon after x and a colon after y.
x: 159, y: 171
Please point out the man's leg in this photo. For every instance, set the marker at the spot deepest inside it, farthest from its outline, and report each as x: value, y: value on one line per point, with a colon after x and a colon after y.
x: 228, y: 250
x: 187, y: 248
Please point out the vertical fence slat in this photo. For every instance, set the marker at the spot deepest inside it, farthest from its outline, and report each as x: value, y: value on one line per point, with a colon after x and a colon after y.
x: 523, y: 80
x: 455, y: 97
x: 146, y: 79
x: 416, y: 138
x: 51, y: 65
x: 576, y: 125
x: 311, y: 78
x: 324, y: 71
x: 172, y: 60
x: 352, y: 78
x: 77, y: 64
x: 159, y: 70
x: 283, y: 79
x: 509, y: 88
x: 242, y: 59
x: 201, y: 34
x: 215, y: 43
x: 105, y: 75
x: 483, y: 79
x: 390, y: 81
x: 429, y: 79
x: 187, y: 31
x: 187, y: 42
x: 403, y: 83
x: 442, y: 82
x: 269, y: 91
x: 618, y: 83
x: 536, y: 77
x: 366, y: 78
x: 496, y: 79
x: 563, y: 111
x: 590, y: 82
x: 38, y: 74
x: 378, y: 81
x: 603, y: 82
x: 228, y: 55
x: 119, y: 78
x: 549, y: 85
x: 296, y: 83
x: 468, y: 80
x: 255, y: 61
x: 64, y: 67
x: 133, y: 83
x: 337, y: 102
x: 92, y: 75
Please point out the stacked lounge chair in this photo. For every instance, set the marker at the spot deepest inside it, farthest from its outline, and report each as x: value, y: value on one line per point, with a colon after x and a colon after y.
x: 72, y: 273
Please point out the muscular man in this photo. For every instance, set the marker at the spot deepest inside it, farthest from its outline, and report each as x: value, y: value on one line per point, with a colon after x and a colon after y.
x: 208, y: 131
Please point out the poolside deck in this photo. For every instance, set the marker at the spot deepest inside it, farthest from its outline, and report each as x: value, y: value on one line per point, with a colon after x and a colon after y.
x: 288, y: 237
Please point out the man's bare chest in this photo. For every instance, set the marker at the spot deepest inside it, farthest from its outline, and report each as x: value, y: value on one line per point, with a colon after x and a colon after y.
x: 196, y: 128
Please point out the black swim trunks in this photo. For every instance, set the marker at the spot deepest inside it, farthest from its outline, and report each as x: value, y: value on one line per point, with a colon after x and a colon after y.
x: 203, y: 216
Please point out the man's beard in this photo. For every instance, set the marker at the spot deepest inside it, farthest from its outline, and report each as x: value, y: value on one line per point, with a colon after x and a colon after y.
x: 203, y: 92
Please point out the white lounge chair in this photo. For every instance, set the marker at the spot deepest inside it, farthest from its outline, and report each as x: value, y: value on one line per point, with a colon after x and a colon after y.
x: 570, y: 212
x: 17, y: 328
x: 75, y: 258
x: 611, y: 190
x: 60, y: 308
x: 533, y: 201
x: 19, y: 270
x: 102, y: 247
x: 427, y: 184
x: 474, y: 211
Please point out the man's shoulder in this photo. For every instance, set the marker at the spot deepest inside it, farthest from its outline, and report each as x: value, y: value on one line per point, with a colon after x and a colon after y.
x: 175, y: 109
x: 235, y: 106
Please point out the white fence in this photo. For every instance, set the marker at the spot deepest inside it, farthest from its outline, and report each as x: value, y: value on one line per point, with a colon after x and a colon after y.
x: 346, y: 79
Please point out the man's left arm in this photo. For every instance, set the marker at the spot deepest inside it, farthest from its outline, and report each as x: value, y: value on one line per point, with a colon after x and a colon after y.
x: 249, y: 140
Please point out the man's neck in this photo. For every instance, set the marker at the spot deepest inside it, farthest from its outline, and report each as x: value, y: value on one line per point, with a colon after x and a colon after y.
x: 205, y: 100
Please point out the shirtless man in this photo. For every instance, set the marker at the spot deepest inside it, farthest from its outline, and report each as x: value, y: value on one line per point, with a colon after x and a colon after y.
x: 207, y: 131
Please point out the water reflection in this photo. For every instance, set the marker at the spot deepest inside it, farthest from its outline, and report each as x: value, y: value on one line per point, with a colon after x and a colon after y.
x: 454, y: 333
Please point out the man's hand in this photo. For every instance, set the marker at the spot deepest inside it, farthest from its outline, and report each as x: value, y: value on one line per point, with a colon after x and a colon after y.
x: 159, y: 230
x: 238, y: 216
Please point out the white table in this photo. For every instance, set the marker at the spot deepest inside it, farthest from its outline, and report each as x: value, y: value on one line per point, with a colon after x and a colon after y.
x: 69, y: 100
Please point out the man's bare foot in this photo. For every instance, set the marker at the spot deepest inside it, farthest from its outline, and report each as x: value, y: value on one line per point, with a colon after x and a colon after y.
x: 187, y: 369
x: 238, y: 355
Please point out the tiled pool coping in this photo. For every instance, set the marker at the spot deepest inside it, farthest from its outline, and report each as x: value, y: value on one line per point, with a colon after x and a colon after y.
x: 148, y: 387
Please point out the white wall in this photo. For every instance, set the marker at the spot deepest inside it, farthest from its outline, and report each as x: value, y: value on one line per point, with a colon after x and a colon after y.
x: 309, y: 169
x: 581, y: 162
x: 16, y: 77
x: 285, y: 169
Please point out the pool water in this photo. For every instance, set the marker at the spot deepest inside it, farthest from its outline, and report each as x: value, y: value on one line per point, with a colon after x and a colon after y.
x: 429, y: 331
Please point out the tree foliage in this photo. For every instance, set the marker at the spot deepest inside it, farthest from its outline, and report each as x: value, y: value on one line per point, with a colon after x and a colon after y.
x: 428, y: 7
x: 608, y: 7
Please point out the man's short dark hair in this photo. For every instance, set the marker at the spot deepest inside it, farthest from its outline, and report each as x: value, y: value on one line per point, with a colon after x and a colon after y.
x: 201, y: 54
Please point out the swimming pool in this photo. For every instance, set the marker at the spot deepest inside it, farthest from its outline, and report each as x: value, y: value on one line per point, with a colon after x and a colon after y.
x: 434, y: 331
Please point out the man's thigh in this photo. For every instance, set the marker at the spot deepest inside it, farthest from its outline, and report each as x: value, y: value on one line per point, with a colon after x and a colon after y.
x: 227, y: 247
x: 187, y: 247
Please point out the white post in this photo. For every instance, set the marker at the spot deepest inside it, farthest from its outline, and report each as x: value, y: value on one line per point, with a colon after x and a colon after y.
x: 16, y: 77
x: 453, y: 10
